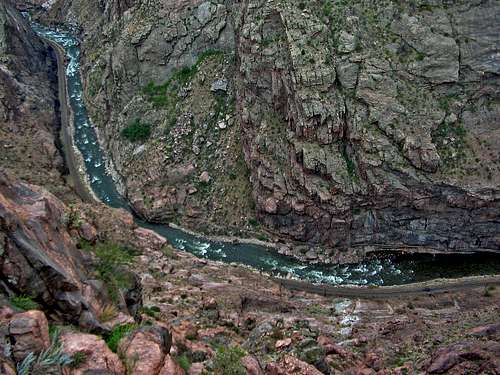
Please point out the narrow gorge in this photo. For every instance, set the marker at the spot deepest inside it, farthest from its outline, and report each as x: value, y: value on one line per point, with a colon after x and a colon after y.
x: 249, y: 187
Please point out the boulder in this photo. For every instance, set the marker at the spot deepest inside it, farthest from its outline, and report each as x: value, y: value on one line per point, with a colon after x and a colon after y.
x: 487, y: 330
x: 197, y: 369
x: 281, y: 344
x: 98, y: 358
x: 145, y: 349
x: 219, y: 85
x: 330, y: 347
x: 205, y: 177
x: 252, y: 365
x: 467, y: 356
x: 170, y: 367
x: 29, y: 331
x: 290, y: 365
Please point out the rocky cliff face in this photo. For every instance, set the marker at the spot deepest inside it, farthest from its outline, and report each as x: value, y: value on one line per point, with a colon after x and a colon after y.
x: 168, y: 66
x: 364, y: 126
x: 39, y: 258
x: 29, y: 105
x: 373, y: 124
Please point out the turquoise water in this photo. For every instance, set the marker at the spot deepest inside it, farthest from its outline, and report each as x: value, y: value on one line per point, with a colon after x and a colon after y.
x: 389, y: 269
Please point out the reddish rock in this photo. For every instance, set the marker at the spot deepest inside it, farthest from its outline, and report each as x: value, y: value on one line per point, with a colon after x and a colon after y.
x: 6, y: 313
x: 291, y: 366
x: 330, y: 347
x: 280, y: 344
x: 270, y: 205
x: 212, y: 332
x: 7, y: 367
x: 196, y: 369
x: 119, y: 320
x: 98, y: 357
x: 87, y: 232
x: 184, y: 331
x: 472, y: 357
x: 145, y: 349
x: 40, y: 255
x: 170, y: 367
x: 364, y: 371
x: 210, y: 304
x: 443, y: 362
x: 150, y: 238
x: 488, y: 330
x: 373, y: 361
x: 30, y: 333
x: 252, y: 365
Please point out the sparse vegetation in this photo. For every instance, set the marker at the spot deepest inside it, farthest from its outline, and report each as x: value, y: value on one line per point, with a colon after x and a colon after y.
x: 227, y: 361
x: 451, y: 144
x: 168, y: 251
x: 152, y: 311
x: 47, y: 359
x: 184, y: 362
x: 78, y: 359
x: 117, y: 334
x: 165, y: 95
x: 24, y: 302
x: 317, y: 309
x: 137, y: 131
x: 108, y: 312
x: 72, y: 218
x: 112, y: 258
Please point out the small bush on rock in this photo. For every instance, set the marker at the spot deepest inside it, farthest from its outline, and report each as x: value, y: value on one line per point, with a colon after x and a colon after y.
x: 227, y: 361
x: 112, y: 258
x: 78, y: 359
x: 24, y: 302
x: 117, y: 334
x: 184, y: 362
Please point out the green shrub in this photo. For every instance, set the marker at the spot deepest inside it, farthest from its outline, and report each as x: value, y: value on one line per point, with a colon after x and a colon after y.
x: 152, y: 311
x: 227, y: 361
x: 112, y: 258
x: 78, y: 359
x: 165, y: 95
x: 168, y: 251
x: 113, y: 338
x: 184, y: 362
x: 137, y: 131
x: 253, y: 222
x: 24, y: 302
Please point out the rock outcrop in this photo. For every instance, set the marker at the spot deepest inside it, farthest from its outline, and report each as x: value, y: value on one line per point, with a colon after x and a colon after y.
x: 39, y: 258
x: 30, y: 334
x: 364, y: 126
x: 98, y: 358
x: 146, y: 349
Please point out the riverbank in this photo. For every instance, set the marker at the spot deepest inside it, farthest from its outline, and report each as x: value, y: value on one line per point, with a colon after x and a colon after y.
x: 77, y: 177
x: 436, y: 286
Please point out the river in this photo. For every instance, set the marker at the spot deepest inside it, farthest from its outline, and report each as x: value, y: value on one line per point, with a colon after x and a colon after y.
x: 388, y: 269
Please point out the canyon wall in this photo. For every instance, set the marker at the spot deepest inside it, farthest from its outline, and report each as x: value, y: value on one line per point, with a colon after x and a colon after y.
x: 29, y: 106
x: 363, y: 126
